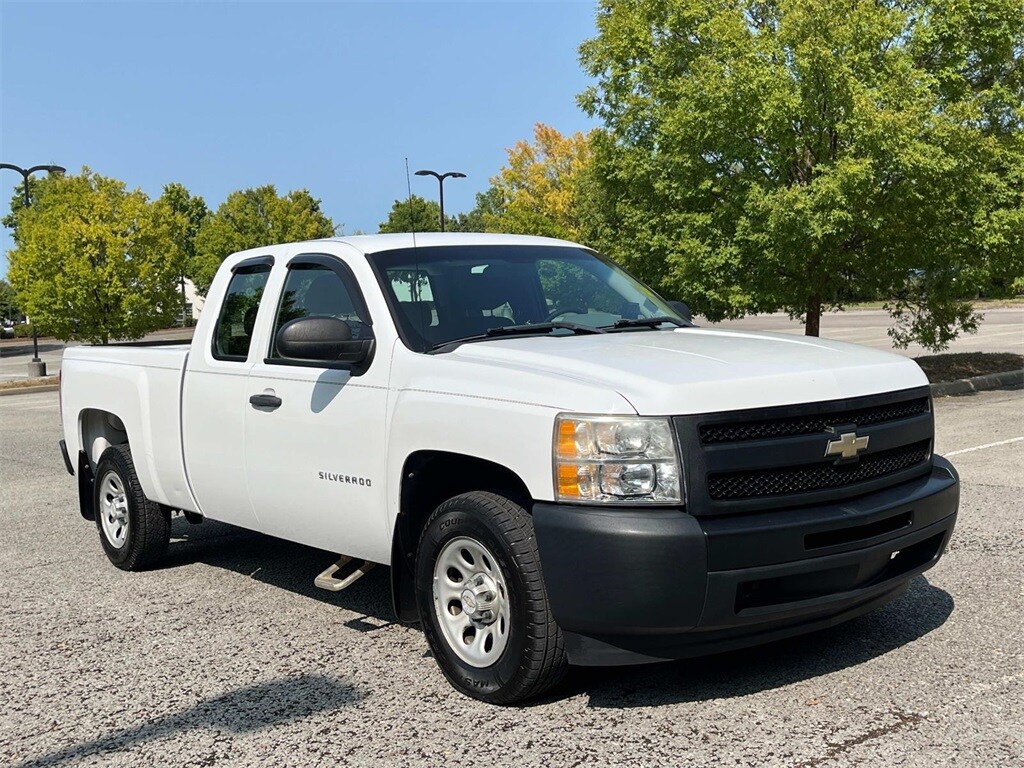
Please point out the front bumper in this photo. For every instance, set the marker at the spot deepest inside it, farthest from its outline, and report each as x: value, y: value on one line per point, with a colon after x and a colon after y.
x: 647, y: 584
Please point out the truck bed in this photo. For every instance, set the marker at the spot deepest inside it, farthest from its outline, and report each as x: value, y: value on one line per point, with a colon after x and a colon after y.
x: 141, y: 383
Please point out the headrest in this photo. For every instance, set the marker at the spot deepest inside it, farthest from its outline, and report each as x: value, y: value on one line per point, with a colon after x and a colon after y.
x: 492, y: 287
x: 327, y: 295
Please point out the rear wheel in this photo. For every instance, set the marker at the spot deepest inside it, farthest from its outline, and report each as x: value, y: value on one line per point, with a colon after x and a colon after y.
x: 482, y: 602
x: 134, y: 531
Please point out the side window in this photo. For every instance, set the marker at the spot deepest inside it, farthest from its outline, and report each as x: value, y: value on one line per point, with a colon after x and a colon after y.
x: 316, y: 290
x: 233, y: 334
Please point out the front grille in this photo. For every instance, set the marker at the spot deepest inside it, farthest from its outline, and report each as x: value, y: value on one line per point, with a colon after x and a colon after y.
x: 735, y: 432
x: 813, y: 477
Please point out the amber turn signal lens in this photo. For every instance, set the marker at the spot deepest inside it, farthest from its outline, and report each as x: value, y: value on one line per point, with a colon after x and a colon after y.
x: 567, y: 439
x: 568, y: 481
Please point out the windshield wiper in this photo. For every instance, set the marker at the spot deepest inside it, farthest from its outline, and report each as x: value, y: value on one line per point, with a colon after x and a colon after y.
x: 526, y: 329
x: 645, y: 322
x: 518, y: 330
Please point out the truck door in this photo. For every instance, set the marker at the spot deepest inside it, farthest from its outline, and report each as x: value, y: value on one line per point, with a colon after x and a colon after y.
x: 215, y: 398
x: 314, y: 455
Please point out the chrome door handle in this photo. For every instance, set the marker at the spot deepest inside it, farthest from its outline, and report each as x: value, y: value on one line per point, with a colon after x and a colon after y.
x: 266, y: 401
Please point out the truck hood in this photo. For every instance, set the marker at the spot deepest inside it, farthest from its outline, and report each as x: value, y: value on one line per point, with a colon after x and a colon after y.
x: 698, y: 370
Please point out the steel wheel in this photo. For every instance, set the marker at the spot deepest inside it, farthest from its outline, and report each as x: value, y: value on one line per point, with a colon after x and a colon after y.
x: 113, y: 510
x: 471, y: 602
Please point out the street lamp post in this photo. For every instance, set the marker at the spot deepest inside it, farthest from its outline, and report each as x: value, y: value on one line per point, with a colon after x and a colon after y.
x: 440, y: 185
x: 37, y: 367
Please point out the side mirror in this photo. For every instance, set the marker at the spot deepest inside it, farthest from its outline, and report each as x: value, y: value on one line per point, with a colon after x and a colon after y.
x: 682, y: 309
x: 321, y: 339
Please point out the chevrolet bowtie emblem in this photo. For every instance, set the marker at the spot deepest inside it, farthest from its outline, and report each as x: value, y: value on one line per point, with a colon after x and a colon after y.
x: 847, y: 446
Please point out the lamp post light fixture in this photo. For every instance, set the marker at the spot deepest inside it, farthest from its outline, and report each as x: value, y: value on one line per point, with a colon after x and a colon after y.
x: 37, y: 367
x: 440, y: 186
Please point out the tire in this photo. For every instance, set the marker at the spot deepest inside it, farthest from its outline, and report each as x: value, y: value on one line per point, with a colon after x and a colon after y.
x: 134, y: 531
x: 525, y: 655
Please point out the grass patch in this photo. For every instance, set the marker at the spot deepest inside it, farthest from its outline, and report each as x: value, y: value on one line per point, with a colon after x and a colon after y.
x: 39, y: 381
x: 964, y: 365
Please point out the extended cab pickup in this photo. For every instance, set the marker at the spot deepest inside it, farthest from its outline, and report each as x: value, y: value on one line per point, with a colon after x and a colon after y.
x: 558, y: 466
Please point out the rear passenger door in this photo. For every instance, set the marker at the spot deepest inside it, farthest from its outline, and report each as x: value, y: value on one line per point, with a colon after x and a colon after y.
x: 315, y: 461
x: 215, y: 396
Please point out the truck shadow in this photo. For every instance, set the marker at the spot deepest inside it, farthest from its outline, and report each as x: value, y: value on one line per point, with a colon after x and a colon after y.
x: 922, y: 609
x: 280, y: 564
x: 253, y: 708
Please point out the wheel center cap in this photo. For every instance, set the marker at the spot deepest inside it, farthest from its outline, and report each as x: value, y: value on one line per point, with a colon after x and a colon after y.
x: 480, y: 598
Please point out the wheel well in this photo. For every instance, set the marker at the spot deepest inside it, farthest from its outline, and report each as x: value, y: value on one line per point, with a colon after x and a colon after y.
x: 99, y: 430
x: 429, y: 478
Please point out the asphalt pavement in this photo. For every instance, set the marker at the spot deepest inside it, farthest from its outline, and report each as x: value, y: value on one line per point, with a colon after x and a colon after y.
x: 227, y: 655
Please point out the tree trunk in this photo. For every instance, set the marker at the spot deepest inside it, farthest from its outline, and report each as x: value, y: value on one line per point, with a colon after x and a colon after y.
x: 813, y: 325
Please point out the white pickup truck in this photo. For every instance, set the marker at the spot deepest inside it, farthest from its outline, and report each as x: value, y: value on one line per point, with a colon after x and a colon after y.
x: 558, y: 466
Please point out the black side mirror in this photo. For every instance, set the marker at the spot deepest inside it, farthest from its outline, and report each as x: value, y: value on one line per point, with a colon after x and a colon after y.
x: 321, y: 339
x: 682, y: 309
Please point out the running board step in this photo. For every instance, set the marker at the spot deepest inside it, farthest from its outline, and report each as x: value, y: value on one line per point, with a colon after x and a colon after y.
x: 327, y: 580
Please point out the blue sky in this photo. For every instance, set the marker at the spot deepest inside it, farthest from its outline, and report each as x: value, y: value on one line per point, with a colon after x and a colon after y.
x: 327, y: 96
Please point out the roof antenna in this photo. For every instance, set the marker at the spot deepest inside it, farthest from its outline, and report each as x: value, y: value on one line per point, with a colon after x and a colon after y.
x: 414, y: 283
x: 412, y: 218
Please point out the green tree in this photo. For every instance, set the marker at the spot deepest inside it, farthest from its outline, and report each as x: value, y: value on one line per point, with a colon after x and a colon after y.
x: 414, y: 214
x: 94, y: 261
x: 485, y: 216
x: 192, y: 213
x: 36, y: 183
x: 9, y: 309
x: 759, y: 156
x: 251, y: 218
x: 541, y: 188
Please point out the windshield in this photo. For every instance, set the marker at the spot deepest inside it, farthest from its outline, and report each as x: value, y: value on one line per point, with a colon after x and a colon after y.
x: 440, y: 295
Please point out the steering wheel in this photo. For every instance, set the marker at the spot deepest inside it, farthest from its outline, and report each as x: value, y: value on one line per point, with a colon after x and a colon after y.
x: 565, y: 311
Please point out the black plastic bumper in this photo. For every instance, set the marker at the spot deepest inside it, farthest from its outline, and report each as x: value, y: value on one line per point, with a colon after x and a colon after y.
x: 631, y: 585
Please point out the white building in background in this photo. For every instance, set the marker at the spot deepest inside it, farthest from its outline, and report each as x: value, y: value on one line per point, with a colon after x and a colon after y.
x: 193, y: 302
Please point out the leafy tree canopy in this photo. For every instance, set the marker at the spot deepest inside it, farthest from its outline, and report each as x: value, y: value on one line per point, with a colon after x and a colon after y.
x: 485, y: 215
x: 94, y: 261
x: 36, y: 182
x: 415, y: 214
x: 541, y: 189
x: 193, y: 214
x: 253, y: 217
x: 759, y: 156
x: 9, y: 309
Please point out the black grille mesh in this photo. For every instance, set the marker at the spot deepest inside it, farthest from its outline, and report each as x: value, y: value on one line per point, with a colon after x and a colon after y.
x: 813, y: 477
x: 787, y: 426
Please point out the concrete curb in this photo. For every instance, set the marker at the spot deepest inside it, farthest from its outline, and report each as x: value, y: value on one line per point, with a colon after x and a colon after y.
x: 28, y: 390
x: 979, y: 383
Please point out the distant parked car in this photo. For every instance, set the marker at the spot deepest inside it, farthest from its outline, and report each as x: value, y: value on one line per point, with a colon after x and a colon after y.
x: 6, y: 331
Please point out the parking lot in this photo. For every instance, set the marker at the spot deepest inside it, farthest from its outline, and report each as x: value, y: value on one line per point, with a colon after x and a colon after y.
x: 229, y: 656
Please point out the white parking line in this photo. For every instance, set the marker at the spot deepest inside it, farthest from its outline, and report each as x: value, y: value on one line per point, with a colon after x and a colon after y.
x: 987, y: 445
x: 22, y: 403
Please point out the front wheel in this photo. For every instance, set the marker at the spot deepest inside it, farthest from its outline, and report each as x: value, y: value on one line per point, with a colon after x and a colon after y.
x: 482, y: 602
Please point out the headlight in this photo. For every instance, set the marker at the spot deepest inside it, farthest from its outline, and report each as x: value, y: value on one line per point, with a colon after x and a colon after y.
x: 616, y: 459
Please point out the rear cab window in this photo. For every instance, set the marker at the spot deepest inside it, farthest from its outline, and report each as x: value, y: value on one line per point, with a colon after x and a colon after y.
x: 232, y: 336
